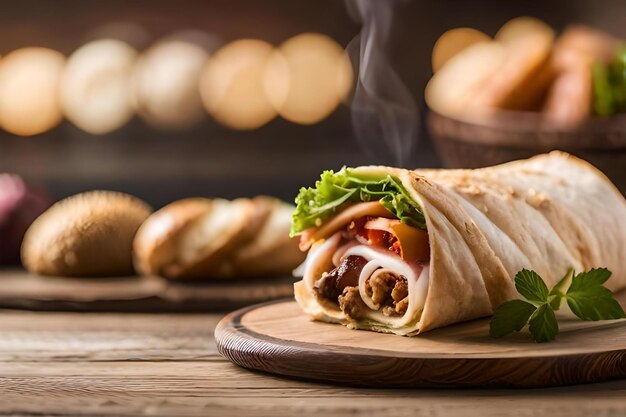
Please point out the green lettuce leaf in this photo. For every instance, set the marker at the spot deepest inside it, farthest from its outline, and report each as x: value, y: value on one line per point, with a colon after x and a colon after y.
x: 334, y: 189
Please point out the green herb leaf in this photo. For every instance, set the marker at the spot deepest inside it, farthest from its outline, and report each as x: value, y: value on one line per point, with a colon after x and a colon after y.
x: 334, y: 189
x: 585, y: 294
x: 557, y: 293
x: 510, y: 317
x: 531, y: 286
x: 543, y: 326
x: 589, y: 300
x: 589, y: 280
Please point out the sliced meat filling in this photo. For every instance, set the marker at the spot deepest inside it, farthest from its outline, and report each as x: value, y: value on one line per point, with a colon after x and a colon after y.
x: 340, y: 286
x: 332, y: 285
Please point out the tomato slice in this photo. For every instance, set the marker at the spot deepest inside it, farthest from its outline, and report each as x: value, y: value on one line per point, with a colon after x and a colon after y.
x: 409, y: 242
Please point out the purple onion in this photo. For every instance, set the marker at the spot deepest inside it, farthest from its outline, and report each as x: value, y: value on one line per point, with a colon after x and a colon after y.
x: 20, y: 205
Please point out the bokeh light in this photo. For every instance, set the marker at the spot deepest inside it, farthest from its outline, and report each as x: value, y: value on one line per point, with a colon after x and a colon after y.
x: 29, y: 82
x: 308, y: 77
x: 232, y: 85
x: 165, y: 84
x: 95, y: 90
x: 243, y: 85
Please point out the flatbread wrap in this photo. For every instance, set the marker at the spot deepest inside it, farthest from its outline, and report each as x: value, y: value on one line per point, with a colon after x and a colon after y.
x: 400, y: 251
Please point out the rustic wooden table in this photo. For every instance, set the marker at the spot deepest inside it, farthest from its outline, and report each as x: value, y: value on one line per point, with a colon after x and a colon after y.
x: 95, y: 364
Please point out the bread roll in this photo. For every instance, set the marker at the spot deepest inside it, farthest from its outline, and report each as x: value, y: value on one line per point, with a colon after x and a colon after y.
x: 521, y: 82
x: 582, y: 45
x: 89, y: 234
x: 452, y: 42
x: 569, y: 99
x: 270, y: 251
x: 203, y: 238
x: 511, y: 72
x: 521, y: 27
x: 568, y: 103
x: 455, y: 85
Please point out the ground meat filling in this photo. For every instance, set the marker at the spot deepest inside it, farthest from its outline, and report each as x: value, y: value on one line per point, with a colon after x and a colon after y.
x: 351, y: 303
x: 388, y: 290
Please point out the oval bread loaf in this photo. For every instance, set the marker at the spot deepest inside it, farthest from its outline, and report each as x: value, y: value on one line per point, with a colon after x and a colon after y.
x: 216, y: 238
x: 89, y: 234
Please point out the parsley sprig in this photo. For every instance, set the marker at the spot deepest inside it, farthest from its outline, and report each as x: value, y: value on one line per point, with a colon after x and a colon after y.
x: 584, y: 293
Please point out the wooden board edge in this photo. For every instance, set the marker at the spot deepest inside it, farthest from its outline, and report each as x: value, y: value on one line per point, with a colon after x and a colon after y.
x: 371, y: 368
x: 166, y: 297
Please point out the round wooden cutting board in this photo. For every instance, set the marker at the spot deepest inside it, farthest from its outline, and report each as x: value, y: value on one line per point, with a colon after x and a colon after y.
x: 20, y: 289
x: 277, y: 337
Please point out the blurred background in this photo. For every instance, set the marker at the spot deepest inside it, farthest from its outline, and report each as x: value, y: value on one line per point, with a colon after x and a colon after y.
x: 166, y: 99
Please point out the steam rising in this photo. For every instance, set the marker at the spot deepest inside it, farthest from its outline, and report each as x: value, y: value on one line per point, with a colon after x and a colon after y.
x: 384, y: 113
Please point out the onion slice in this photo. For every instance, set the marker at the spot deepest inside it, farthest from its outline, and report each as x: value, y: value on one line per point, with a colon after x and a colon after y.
x: 417, y: 279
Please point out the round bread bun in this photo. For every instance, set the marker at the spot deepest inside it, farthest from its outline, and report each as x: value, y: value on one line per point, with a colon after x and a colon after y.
x: 88, y: 234
x: 521, y: 27
x: 452, y: 42
x: 451, y: 89
x: 214, y: 238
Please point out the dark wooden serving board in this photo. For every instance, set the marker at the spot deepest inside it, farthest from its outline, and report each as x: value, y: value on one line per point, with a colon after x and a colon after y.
x: 277, y: 337
x: 20, y: 289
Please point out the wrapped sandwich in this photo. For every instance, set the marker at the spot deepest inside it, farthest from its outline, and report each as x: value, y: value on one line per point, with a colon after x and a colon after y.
x: 399, y: 251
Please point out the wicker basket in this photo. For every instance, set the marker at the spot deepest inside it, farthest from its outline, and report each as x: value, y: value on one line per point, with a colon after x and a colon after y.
x: 510, y: 136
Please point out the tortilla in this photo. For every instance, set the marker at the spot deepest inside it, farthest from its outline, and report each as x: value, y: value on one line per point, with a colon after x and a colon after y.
x: 549, y: 213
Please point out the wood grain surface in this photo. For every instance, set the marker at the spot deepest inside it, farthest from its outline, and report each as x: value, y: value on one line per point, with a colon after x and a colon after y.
x: 277, y: 337
x: 21, y: 289
x: 128, y: 364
